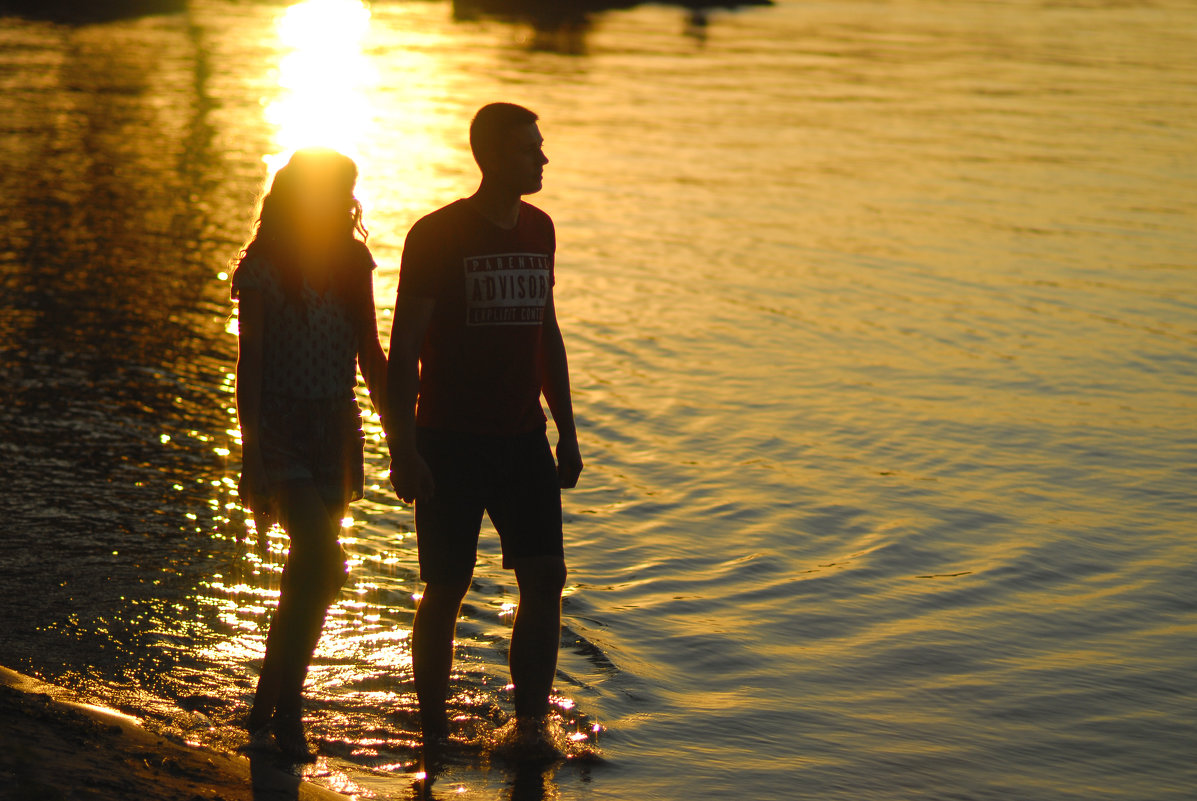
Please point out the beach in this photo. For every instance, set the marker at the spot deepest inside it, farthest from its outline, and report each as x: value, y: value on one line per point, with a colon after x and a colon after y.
x: 54, y: 747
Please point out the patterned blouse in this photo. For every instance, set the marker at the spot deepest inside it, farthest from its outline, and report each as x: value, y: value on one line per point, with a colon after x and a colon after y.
x: 310, y: 356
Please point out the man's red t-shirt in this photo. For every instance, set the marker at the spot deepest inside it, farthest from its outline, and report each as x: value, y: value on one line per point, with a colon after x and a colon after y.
x: 480, y: 360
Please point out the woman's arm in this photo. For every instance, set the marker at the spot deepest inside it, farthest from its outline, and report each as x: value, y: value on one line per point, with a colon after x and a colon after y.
x: 410, y: 475
x: 370, y: 356
x: 251, y: 316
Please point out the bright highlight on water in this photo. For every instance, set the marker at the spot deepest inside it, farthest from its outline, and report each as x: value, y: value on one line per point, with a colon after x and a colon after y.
x: 881, y: 325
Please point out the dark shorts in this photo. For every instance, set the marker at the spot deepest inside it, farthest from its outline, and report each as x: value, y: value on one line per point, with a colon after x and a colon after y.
x: 512, y: 479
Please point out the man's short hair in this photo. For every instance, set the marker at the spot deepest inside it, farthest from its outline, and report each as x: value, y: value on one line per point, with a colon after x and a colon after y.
x: 494, y: 121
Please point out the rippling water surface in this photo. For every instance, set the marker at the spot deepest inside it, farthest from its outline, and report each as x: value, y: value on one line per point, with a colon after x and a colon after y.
x: 882, y: 324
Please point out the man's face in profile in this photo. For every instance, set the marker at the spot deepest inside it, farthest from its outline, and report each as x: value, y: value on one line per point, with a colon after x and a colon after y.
x: 521, y: 162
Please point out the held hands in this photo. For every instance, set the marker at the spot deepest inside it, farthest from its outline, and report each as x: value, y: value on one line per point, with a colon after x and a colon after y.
x: 569, y: 462
x: 410, y: 476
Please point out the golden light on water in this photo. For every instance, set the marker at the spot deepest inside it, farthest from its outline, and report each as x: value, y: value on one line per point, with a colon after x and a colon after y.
x: 879, y: 345
x: 323, y: 77
x: 373, y: 88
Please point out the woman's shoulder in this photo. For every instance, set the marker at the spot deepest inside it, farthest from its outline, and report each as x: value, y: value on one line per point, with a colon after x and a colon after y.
x: 253, y: 271
x: 360, y: 255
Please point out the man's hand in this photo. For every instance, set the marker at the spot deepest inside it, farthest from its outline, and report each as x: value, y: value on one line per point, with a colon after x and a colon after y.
x: 569, y: 462
x: 410, y: 476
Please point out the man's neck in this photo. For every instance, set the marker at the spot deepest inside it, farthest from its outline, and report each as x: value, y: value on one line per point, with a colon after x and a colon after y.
x: 499, y: 205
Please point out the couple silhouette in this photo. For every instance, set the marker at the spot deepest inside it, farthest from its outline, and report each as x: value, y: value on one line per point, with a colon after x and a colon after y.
x: 474, y: 344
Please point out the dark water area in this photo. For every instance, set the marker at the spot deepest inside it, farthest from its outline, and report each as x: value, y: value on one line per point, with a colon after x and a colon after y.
x: 882, y: 332
x: 78, y: 12
x: 111, y: 334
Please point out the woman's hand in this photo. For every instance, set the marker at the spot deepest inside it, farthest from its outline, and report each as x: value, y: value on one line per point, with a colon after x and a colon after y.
x: 252, y: 487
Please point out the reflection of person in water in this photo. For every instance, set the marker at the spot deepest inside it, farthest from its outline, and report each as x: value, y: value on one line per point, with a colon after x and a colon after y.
x: 476, y: 340
x: 304, y: 287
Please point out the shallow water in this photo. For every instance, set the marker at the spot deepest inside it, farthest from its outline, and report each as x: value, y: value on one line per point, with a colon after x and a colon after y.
x: 881, y: 319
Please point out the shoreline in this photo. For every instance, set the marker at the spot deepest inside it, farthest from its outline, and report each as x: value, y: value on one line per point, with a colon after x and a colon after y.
x: 53, y: 746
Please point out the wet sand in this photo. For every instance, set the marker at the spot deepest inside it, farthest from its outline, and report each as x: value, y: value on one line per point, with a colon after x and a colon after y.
x: 52, y: 747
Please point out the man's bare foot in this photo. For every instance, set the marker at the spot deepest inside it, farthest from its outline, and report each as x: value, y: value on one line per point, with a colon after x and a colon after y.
x: 530, y: 740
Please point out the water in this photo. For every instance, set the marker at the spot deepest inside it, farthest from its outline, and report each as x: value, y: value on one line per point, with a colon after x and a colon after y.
x: 881, y: 319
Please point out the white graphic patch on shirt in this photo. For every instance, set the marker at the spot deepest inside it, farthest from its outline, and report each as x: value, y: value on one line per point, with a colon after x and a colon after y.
x: 507, y: 288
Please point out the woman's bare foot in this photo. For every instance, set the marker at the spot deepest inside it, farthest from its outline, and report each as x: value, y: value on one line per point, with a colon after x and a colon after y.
x: 289, y: 734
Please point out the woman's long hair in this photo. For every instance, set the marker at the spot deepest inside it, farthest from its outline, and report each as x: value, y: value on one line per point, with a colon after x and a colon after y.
x: 276, y: 237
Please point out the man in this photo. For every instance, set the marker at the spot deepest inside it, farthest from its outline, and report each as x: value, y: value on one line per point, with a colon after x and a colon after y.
x: 476, y: 341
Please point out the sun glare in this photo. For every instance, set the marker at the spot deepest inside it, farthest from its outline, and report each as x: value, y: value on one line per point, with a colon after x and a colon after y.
x: 372, y: 85
x: 323, y: 76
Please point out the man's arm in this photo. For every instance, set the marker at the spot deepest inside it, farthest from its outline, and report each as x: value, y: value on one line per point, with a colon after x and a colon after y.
x: 554, y: 383
x: 410, y: 476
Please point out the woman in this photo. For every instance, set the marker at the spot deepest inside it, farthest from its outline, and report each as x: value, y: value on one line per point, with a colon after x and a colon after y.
x: 304, y: 288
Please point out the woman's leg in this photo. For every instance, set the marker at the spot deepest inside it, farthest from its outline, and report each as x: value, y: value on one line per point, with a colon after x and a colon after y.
x: 314, y: 573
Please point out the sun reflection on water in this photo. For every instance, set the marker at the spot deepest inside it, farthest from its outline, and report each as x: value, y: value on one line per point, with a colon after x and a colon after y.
x: 342, y: 77
x: 324, y: 77
x: 349, y: 84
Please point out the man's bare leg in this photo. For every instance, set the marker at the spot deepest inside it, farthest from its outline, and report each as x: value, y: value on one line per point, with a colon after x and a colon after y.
x: 536, y: 635
x: 432, y: 652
